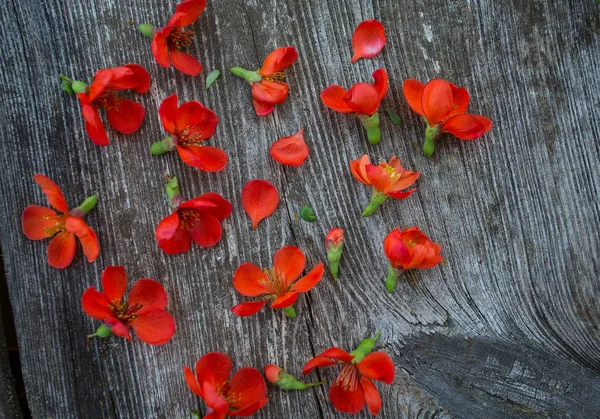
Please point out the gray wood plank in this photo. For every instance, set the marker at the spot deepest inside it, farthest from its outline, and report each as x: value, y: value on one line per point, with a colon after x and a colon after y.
x: 516, y: 211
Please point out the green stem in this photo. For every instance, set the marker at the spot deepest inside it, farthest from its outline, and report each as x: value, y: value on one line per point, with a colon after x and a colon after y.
x: 249, y: 76
x: 163, y: 146
x: 429, y: 144
x: 371, y: 124
x: 377, y: 198
x: 146, y: 30
x: 290, y: 312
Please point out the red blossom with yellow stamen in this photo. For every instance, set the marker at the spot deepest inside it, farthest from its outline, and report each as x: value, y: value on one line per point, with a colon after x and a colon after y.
x: 241, y: 395
x: 279, y: 284
x: 39, y: 223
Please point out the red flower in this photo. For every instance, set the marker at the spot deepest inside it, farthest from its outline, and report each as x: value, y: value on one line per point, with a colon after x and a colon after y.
x: 368, y: 39
x: 409, y: 249
x: 168, y: 41
x: 268, y: 89
x: 334, y: 245
x: 198, y: 219
x: 353, y: 385
x: 362, y: 100
x: 124, y: 115
x: 40, y: 223
x: 290, y: 150
x: 241, y: 395
x: 387, y: 179
x: 144, y: 311
x: 279, y: 284
x: 190, y: 125
x: 259, y: 199
x: 443, y: 106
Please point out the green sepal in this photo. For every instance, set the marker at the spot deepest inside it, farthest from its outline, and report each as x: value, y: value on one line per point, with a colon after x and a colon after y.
x: 103, y: 331
x: 429, y: 144
x: 396, y: 120
x: 249, y: 76
x: 377, y: 198
x: 212, y: 77
x: 289, y: 311
x: 163, y: 146
x: 334, y: 255
x: 371, y: 124
x: 146, y: 30
x: 307, y: 214
x: 289, y: 382
x: 364, y: 348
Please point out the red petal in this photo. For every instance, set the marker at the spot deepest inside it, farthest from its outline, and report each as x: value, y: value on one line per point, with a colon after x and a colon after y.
x: 249, y: 409
x: 363, y: 99
x: 87, y: 237
x: 35, y: 222
x: 285, y: 300
x: 487, y: 124
x: 213, y: 399
x: 248, y: 280
x: 333, y: 98
x: 127, y: 117
x: 205, y: 158
x: 381, y: 82
x: 170, y: 237
x: 465, y: 126
x: 413, y: 93
x: 378, y: 177
x: 61, y: 250
x: 259, y: 199
x: 400, y: 194
x: 211, y: 203
x: 168, y: 113
x: 114, y: 282
x: 289, y: 262
x: 150, y: 294
x: 317, y: 361
x: 460, y: 97
x: 93, y: 124
x: 95, y: 304
x: 214, y: 415
x: 337, y: 353
x: 189, y: 11
x: 248, y: 309
x: 197, y: 118
x: 190, y: 379
x: 160, y: 51
x: 311, y: 279
x: 101, y: 81
x: 52, y: 192
x: 130, y: 76
x: 154, y: 327
x: 345, y: 400
x: 118, y: 328
x: 358, y: 168
x: 437, y: 101
x: 205, y: 230
x: 249, y: 387
x: 185, y: 63
x: 290, y: 150
x: 368, y: 39
x: 377, y: 366
x: 372, y: 396
x: 271, y: 92
x: 278, y: 60
x: 262, y: 109
x: 141, y: 76
x: 213, y: 368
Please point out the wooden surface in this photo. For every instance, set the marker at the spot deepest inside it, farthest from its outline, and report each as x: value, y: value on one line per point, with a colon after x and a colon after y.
x: 508, y: 326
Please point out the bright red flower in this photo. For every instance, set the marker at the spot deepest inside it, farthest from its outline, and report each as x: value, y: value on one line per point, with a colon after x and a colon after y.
x: 144, y: 310
x: 362, y: 100
x: 290, y: 150
x: 409, y: 249
x: 280, y: 283
x: 168, y: 41
x: 190, y: 125
x: 40, y: 223
x: 386, y: 179
x: 368, y: 39
x: 268, y: 89
x: 334, y: 245
x: 259, y: 199
x: 443, y: 106
x: 241, y: 395
x: 198, y: 219
x: 353, y: 386
x: 124, y: 115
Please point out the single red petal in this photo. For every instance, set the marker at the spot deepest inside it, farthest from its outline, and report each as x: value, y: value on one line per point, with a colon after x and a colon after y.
x: 381, y: 82
x: 262, y: 109
x: 160, y: 50
x: 171, y: 238
x: 87, y: 237
x: 337, y: 353
x: 118, y: 327
x: 190, y: 379
x: 413, y: 93
x: 368, y: 39
x: 259, y: 199
x: 358, y: 168
x: 317, y: 361
x: 460, y: 96
x: 378, y: 177
x: 127, y: 117
x: 61, y: 250
x: 213, y: 368
x: 52, y: 192
x: 36, y: 220
x: 211, y: 203
x: 278, y: 60
x: 290, y: 150
x: 185, y: 63
x: 289, y: 262
x: 93, y: 124
x: 363, y: 99
x: 196, y: 118
x: 102, y: 79
x: 285, y: 300
x: 249, y: 409
x: 189, y: 11
x: 205, y: 230
x: 437, y: 101
x: 214, y: 415
x: 311, y: 279
x: 167, y: 113
x: 249, y: 280
x: 372, y: 396
x: 213, y: 399
x: 406, y: 179
x: 114, y: 282
x: 95, y: 304
x: 333, y: 98
x: 142, y: 78
x: 346, y: 400
x: 249, y: 387
x: 377, y: 366
x: 248, y: 309
x: 465, y: 127
x: 400, y: 194
x: 148, y: 293
x: 273, y: 92
x: 487, y: 124
x: 155, y: 327
x: 130, y: 76
x: 205, y: 158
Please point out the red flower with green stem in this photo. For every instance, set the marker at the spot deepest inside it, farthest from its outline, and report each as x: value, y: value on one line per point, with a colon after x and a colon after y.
x: 334, y: 245
x: 409, y: 249
x: 353, y: 386
x: 168, y: 41
x: 268, y: 88
x: 386, y: 179
x: 443, y: 105
x: 124, y: 115
x: 197, y: 219
x: 241, y: 395
x: 143, y: 311
x: 190, y: 125
x: 361, y: 100
x: 39, y: 223
x: 282, y: 379
x: 279, y: 284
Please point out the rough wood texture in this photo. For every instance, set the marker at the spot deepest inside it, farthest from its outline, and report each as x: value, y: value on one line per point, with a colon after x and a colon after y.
x: 512, y: 316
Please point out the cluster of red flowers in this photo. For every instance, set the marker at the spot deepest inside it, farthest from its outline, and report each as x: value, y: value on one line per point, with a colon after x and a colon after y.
x: 189, y: 125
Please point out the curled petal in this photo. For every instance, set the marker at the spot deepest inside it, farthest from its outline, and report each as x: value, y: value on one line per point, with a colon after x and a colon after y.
x: 102, y: 79
x: 130, y: 76
x: 372, y: 396
x: 347, y: 399
x: 289, y: 262
x: 160, y: 51
x: 205, y: 158
x: 285, y: 300
x: 211, y: 203
x: 338, y: 354
x: 249, y: 280
x: 96, y: 304
x: 93, y: 124
x: 148, y: 293
x: 155, y: 327
x: 466, y: 126
x: 437, y: 101
x: 413, y: 92
x: 114, y: 282
x: 168, y: 113
x: 141, y: 76
x: 87, y: 237
x: 188, y: 11
x: 381, y: 82
x: 196, y: 118
x: 290, y: 150
x: 400, y: 194
x: 52, y: 192
x: 270, y: 92
x: 278, y: 60
x: 185, y: 63
x: 190, y: 379
x: 259, y: 199
x: 358, y: 168
x: 317, y: 361
x: 248, y: 309
x: 377, y: 366
x: 333, y: 98
x: 368, y: 39
x: 262, y: 109
x: 363, y: 99
x: 171, y: 238
x: 460, y: 96
x: 61, y: 250
x: 311, y: 279
x: 37, y: 221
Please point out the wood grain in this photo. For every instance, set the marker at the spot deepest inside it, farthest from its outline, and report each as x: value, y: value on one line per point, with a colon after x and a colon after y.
x: 516, y: 212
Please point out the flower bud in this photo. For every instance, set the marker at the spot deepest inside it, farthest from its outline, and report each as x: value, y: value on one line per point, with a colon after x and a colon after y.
x: 334, y: 244
x: 280, y: 378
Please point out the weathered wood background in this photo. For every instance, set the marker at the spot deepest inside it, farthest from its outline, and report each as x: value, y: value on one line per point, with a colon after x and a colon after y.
x: 508, y: 326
